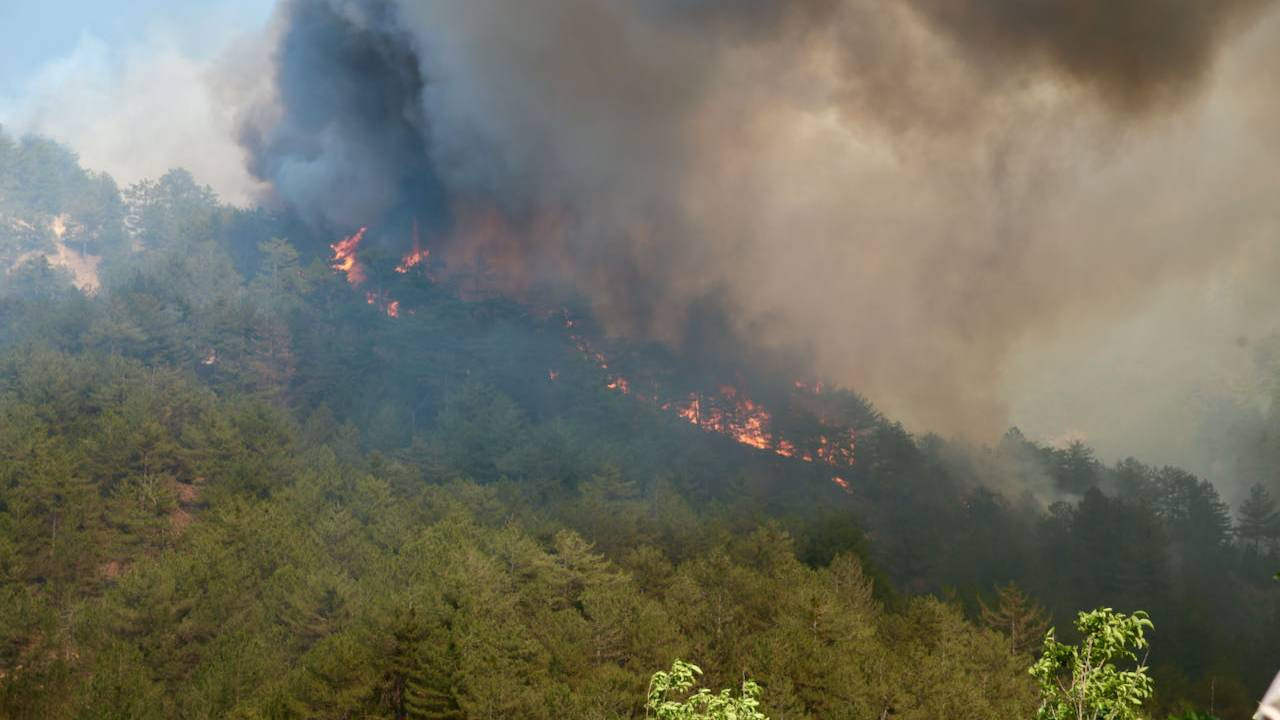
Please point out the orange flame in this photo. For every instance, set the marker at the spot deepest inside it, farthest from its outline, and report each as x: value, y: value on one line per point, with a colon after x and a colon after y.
x: 416, y: 256
x: 384, y: 301
x: 690, y: 412
x: 345, y: 260
x: 815, y: 388
x: 732, y: 413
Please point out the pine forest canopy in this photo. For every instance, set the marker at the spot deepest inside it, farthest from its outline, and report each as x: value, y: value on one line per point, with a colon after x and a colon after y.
x: 232, y: 484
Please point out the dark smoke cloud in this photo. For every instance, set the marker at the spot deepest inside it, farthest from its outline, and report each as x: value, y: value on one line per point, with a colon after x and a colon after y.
x: 350, y: 143
x: 911, y: 191
x: 1135, y: 53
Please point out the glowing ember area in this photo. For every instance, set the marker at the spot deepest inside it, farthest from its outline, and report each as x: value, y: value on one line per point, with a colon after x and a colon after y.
x: 741, y: 420
x: 416, y: 256
x: 413, y: 259
x: 385, y: 303
x: 345, y: 260
x: 836, y: 452
x: 692, y: 411
x: 731, y: 413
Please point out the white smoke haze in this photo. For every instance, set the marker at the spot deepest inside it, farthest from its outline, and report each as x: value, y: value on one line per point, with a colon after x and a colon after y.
x: 1155, y: 382
x: 139, y: 110
x: 946, y: 206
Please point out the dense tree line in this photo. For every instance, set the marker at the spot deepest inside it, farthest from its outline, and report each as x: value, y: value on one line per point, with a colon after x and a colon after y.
x: 231, y: 487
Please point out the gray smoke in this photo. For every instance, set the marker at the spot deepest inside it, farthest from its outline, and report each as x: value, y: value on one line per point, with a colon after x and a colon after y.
x: 913, y: 192
x: 1133, y: 53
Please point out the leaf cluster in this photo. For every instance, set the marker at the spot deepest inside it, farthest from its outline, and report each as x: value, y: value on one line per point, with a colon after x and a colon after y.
x: 1083, y: 682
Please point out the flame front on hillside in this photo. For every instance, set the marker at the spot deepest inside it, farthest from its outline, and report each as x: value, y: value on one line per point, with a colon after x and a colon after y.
x: 729, y: 412
x: 416, y: 256
x: 345, y: 260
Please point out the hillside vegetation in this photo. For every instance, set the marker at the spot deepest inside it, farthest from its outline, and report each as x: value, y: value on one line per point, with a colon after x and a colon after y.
x: 230, y: 486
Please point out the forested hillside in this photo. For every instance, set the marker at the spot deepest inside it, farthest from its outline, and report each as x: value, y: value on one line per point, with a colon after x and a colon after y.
x: 231, y: 485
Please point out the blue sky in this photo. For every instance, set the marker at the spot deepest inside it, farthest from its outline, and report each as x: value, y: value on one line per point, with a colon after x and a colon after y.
x: 131, y: 85
x: 34, y: 33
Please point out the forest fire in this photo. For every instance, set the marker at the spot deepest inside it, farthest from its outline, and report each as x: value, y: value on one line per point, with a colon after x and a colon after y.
x: 743, y: 420
x: 345, y: 260
x: 748, y: 424
x: 412, y: 260
x: 728, y: 412
x: 416, y: 256
x: 384, y: 303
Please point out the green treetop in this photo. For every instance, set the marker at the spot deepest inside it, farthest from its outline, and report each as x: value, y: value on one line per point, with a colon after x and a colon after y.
x: 1083, y: 682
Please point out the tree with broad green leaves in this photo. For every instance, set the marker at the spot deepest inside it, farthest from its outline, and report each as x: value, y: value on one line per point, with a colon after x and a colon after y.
x: 666, y: 689
x: 1083, y: 682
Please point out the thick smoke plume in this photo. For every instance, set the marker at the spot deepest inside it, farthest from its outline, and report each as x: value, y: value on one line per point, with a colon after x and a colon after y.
x: 1134, y: 53
x: 911, y: 192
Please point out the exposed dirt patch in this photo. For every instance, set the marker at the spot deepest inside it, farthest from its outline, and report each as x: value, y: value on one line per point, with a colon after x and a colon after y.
x: 188, y: 497
x: 83, y: 267
x: 111, y: 569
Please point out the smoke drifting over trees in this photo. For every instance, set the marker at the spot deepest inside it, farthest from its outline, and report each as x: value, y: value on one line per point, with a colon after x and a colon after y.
x: 296, y: 451
x: 911, y: 190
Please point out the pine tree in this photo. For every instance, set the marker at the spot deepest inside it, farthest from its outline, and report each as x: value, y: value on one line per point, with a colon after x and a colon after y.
x: 420, y: 674
x: 1259, y: 519
x: 280, y: 283
x: 56, y: 520
x: 431, y: 691
x: 1015, y: 614
x: 335, y: 680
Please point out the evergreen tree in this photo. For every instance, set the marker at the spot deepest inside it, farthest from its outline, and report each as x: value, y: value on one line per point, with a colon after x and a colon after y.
x: 1017, y: 616
x: 176, y: 542
x: 1259, y: 522
x: 421, y: 665
x: 280, y: 283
